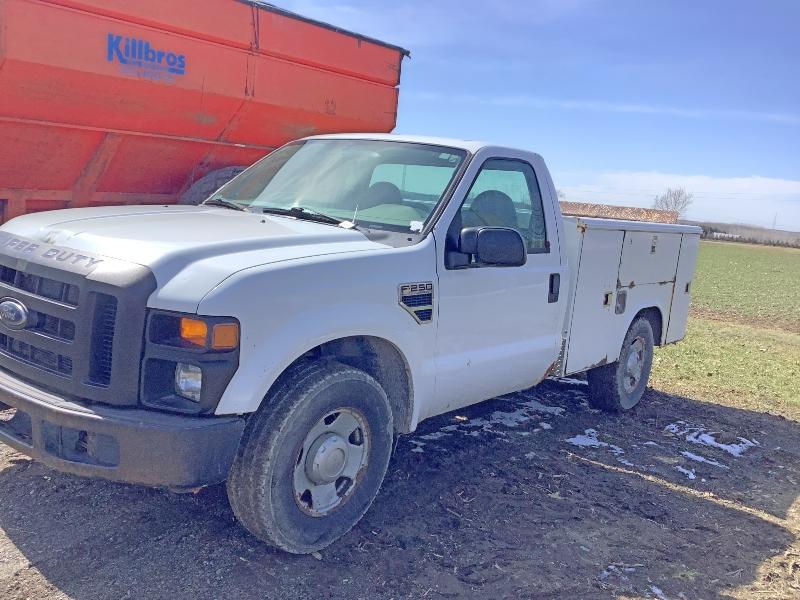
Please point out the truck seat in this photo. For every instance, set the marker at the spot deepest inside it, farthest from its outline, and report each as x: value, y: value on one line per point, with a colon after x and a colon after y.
x: 381, y: 192
x: 493, y: 208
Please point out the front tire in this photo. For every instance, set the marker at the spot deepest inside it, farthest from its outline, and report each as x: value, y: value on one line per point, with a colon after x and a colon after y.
x: 619, y: 386
x: 313, y: 457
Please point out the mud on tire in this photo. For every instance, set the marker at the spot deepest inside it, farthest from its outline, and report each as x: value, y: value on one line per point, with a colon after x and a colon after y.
x: 277, y: 460
x: 620, y: 385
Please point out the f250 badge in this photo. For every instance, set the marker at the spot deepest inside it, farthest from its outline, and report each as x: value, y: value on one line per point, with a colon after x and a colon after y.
x: 417, y: 299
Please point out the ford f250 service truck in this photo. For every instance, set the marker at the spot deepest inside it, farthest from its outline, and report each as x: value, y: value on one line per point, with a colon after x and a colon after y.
x: 333, y: 295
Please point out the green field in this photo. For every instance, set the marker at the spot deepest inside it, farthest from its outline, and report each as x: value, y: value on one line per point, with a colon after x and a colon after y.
x: 758, y: 284
x: 743, y: 343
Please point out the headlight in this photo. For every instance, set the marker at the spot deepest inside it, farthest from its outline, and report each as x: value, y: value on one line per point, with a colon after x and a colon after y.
x: 188, y: 381
x: 195, y: 332
x: 188, y: 360
x: 202, y: 334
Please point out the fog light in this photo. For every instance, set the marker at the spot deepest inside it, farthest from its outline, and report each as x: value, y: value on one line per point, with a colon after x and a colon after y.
x: 188, y: 381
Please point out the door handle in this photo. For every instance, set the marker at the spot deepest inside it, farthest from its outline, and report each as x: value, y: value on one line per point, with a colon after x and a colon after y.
x: 555, y: 286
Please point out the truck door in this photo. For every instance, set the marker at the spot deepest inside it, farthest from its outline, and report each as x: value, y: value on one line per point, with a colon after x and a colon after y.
x: 499, y: 328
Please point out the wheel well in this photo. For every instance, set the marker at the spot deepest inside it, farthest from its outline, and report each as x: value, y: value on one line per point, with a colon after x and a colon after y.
x: 653, y: 314
x: 378, y: 357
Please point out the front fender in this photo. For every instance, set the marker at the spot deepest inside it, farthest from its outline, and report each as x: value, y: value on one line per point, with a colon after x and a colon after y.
x: 287, y: 309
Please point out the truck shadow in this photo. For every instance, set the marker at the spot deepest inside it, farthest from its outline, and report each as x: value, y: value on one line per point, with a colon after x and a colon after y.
x: 533, y: 495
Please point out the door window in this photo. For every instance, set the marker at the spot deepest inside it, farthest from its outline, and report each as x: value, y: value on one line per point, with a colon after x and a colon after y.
x: 506, y: 194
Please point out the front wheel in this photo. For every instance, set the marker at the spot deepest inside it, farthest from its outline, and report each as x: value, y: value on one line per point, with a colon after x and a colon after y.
x: 620, y: 385
x: 313, y: 458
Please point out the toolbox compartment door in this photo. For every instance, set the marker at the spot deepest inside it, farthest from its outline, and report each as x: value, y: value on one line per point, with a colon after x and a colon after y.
x: 682, y: 294
x: 648, y: 257
x: 593, y: 339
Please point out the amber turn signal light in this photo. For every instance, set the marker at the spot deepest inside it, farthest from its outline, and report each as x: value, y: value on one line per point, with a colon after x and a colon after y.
x: 225, y: 336
x: 194, y: 331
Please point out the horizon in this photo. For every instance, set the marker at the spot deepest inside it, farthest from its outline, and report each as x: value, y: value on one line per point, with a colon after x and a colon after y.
x: 622, y: 99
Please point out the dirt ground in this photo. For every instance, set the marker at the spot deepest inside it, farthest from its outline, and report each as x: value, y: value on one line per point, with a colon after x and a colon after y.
x: 533, y: 495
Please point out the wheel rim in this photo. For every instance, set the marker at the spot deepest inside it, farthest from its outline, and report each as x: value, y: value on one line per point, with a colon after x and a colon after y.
x: 634, y: 365
x: 331, y: 462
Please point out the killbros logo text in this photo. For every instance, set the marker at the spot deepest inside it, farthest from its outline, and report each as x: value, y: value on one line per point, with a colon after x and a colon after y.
x: 139, y: 57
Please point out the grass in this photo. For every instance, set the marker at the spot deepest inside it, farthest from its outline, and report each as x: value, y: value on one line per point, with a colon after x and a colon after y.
x: 742, y: 347
x: 758, y: 284
x: 733, y: 364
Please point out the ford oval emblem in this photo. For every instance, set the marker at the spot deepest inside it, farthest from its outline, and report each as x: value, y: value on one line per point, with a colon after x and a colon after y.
x: 13, y: 313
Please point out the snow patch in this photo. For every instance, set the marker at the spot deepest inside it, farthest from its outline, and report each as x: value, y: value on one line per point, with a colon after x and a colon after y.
x: 509, y: 419
x: 618, y: 569
x: 657, y: 592
x: 537, y: 406
x: 704, y: 437
x: 433, y: 436
x: 526, y: 412
x: 703, y: 459
x: 589, y: 440
x: 417, y: 446
x: 529, y: 410
x: 572, y: 380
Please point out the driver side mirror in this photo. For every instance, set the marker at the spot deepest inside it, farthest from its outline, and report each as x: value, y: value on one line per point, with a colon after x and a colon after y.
x: 493, y: 246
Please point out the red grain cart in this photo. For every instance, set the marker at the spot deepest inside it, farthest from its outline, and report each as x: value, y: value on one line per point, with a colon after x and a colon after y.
x: 122, y: 102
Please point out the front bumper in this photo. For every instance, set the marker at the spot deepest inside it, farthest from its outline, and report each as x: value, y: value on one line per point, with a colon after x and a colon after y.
x: 121, y: 444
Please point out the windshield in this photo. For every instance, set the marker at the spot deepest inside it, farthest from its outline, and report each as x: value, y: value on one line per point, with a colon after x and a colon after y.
x: 372, y: 183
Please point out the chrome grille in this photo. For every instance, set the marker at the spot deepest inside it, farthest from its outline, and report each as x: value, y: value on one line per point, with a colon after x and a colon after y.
x: 33, y: 355
x: 76, y: 305
x: 60, y: 329
x: 52, y: 289
x: 103, y: 340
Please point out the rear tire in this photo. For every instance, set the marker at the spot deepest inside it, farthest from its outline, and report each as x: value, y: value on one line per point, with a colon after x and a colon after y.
x: 313, y: 457
x: 620, y: 385
x: 201, y: 189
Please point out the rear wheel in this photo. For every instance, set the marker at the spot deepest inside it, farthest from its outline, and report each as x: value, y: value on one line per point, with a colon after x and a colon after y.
x: 313, y: 458
x: 620, y: 385
x: 205, y: 186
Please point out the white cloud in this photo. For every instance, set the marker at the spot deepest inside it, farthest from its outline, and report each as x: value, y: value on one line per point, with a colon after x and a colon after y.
x: 753, y: 200
x: 434, y: 24
x: 537, y: 102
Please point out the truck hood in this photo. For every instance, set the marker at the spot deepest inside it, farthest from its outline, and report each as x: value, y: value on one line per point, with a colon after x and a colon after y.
x: 190, y: 249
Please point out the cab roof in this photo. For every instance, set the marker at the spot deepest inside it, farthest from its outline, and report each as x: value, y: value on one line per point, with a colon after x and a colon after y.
x: 471, y: 146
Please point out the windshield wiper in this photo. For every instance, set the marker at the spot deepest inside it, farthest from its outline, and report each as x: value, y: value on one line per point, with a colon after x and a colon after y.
x: 223, y: 203
x: 308, y: 214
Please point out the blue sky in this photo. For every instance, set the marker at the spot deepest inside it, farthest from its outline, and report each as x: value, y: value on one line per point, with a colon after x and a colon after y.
x: 622, y: 98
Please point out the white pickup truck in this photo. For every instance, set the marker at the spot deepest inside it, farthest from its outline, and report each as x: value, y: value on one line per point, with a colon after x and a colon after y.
x: 335, y: 294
